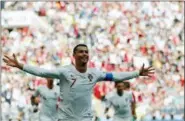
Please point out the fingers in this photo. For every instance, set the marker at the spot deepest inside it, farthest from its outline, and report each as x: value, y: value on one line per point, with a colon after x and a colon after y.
x: 146, y: 73
x: 149, y: 67
x: 152, y: 69
x: 7, y: 59
x: 4, y: 60
x: 150, y: 73
x: 15, y: 58
x: 10, y: 64
x: 150, y: 76
x: 5, y: 56
x: 143, y: 66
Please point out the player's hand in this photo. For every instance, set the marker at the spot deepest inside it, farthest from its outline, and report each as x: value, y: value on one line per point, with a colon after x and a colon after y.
x: 12, y: 61
x: 146, y: 71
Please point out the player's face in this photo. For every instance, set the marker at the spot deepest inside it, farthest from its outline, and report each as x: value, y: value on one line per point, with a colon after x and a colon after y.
x: 49, y: 81
x: 126, y: 88
x: 37, y: 100
x: 81, y: 54
x: 120, y: 87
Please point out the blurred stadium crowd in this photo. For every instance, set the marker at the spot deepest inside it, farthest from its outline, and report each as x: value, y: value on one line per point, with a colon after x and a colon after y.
x: 121, y: 36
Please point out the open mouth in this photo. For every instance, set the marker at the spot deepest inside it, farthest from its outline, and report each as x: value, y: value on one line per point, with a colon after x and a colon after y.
x: 84, y: 59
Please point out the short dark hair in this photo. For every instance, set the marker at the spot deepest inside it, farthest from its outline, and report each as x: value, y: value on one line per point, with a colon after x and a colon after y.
x: 127, y: 84
x: 75, y: 48
x: 117, y: 82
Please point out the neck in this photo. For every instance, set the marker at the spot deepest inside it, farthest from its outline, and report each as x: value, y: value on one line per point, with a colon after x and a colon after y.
x: 120, y: 93
x: 82, y: 68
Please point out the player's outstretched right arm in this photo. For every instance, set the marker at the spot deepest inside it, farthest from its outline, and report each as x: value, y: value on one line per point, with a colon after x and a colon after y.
x: 13, y: 62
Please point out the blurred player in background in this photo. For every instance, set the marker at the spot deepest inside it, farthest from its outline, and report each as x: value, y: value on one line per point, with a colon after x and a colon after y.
x: 127, y: 88
x: 122, y: 102
x: 49, y: 96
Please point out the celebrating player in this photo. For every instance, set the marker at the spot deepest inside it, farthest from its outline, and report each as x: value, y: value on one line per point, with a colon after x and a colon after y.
x: 77, y: 82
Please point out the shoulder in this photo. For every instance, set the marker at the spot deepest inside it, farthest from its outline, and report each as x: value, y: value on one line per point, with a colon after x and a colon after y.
x: 39, y: 88
x: 110, y: 94
x: 42, y: 87
x: 128, y: 93
x: 95, y: 71
x: 92, y: 69
x: 66, y: 67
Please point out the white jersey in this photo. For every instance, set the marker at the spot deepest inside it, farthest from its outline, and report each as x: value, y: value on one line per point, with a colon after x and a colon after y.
x: 33, y: 116
x: 120, y: 104
x: 48, y: 110
x: 76, y: 89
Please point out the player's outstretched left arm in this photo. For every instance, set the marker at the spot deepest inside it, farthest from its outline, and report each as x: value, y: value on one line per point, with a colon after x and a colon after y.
x: 121, y: 76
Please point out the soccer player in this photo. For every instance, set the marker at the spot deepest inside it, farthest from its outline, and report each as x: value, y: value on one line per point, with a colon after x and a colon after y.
x: 122, y: 103
x: 49, y: 96
x: 77, y: 82
x: 127, y: 88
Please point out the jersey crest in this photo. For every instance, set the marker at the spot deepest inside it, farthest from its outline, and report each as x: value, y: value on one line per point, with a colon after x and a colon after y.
x: 90, y: 77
